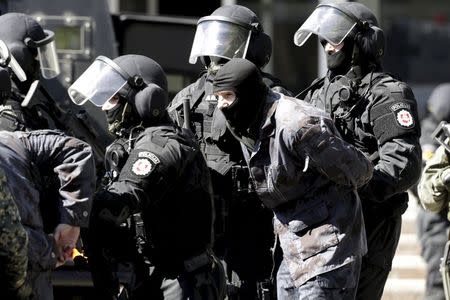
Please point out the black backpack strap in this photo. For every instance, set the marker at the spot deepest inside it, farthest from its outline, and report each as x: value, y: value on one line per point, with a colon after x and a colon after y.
x: 318, y: 82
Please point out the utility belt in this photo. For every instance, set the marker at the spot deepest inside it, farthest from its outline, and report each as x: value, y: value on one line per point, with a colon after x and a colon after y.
x: 392, y: 207
x: 242, y: 182
x: 265, y: 290
x: 147, y: 252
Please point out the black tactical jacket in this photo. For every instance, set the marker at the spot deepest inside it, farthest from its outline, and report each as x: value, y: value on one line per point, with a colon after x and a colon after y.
x: 380, y: 119
x: 165, y: 177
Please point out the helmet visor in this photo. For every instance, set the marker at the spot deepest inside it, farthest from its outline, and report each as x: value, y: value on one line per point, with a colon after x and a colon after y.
x: 329, y: 23
x: 7, y: 59
x: 219, y: 38
x: 100, y: 82
x: 48, y: 60
x: 47, y: 55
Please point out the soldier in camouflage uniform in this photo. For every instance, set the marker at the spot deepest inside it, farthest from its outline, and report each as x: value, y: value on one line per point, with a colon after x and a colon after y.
x: 27, y: 158
x: 13, y: 247
x: 434, y: 185
x: 307, y: 175
x: 433, y: 226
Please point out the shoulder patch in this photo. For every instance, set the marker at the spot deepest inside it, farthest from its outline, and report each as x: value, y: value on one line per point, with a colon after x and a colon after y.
x: 403, y: 115
x: 144, y: 163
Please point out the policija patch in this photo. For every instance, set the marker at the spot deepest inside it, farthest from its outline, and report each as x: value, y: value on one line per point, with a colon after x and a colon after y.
x: 403, y: 115
x: 144, y: 164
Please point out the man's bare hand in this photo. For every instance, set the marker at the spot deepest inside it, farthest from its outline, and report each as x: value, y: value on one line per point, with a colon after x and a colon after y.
x: 66, y: 237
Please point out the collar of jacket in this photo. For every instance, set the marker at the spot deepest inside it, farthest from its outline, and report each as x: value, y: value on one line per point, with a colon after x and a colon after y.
x: 269, y: 125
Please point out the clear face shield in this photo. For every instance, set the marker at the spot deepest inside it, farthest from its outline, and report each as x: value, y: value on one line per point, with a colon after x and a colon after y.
x: 328, y: 22
x: 219, y: 37
x: 99, y: 83
x: 47, y: 54
x: 8, y: 60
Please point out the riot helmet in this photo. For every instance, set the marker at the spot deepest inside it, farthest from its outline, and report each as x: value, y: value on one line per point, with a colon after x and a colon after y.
x: 138, y: 81
x: 231, y: 31
x: 7, y: 63
x: 351, y: 22
x: 27, y: 41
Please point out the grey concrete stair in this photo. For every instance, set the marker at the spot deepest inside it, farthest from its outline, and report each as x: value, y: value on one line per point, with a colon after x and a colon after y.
x: 407, y: 278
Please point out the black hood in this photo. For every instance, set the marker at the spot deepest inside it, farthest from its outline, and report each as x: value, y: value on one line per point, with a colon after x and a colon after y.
x: 244, y: 78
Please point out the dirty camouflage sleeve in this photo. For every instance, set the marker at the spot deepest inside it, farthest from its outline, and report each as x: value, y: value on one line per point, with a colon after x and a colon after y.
x: 433, y: 193
x: 13, y: 241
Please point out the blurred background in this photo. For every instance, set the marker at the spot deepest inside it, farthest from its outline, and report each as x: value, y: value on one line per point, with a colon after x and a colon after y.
x: 417, y: 32
x: 418, y: 43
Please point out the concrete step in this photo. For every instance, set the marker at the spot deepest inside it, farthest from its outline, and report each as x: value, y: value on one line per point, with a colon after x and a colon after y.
x: 408, y: 244
x: 408, y: 267
x: 406, y: 280
x: 404, y: 289
x: 409, y: 220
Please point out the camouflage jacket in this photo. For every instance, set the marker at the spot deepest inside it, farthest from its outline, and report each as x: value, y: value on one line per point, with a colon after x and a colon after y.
x: 432, y: 190
x: 308, y: 175
x: 13, y: 242
x: 27, y: 158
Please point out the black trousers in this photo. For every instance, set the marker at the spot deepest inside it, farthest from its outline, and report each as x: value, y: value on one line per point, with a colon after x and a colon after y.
x: 382, y: 240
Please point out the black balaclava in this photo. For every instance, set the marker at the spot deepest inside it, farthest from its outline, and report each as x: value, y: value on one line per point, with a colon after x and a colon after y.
x: 363, y: 47
x: 143, y: 100
x: 244, y: 78
x: 340, y: 61
x: 16, y: 27
x: 5, y: 85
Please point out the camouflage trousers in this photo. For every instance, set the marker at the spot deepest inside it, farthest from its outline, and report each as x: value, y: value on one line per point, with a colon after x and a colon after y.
x: 338, y: 284
x: 13, y: 244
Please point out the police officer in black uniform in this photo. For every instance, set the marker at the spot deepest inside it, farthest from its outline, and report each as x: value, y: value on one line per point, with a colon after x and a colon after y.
x: 159, y: 189
x: 375, y: 112
x: 433, y: 226
x: 34, y: 49
x: 243, y: 227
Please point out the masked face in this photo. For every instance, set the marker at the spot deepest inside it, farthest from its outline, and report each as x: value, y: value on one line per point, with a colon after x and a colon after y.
x: 241, y: 93
x: 214, y: 63
x: 233, y: 109
x: 338, y: 56
x: 119, y: 115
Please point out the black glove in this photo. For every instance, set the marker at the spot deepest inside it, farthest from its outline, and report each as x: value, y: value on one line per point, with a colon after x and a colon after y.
x: 110, y: 207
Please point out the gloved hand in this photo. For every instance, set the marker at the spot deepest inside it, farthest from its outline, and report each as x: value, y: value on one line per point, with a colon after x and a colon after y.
x: 110, y: 207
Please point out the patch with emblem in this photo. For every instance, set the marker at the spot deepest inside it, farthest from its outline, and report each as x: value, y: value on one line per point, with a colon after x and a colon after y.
x: 403, y: 115
x: 145, y: 163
